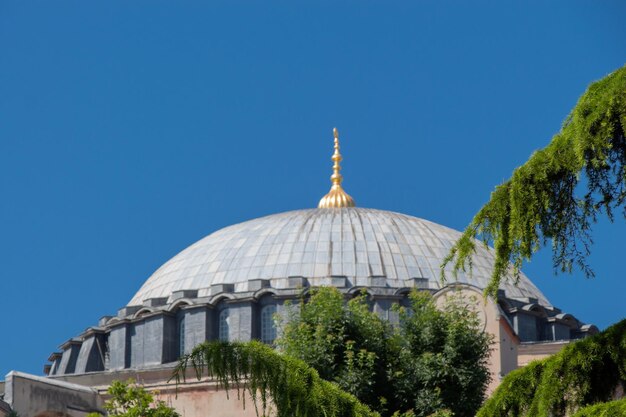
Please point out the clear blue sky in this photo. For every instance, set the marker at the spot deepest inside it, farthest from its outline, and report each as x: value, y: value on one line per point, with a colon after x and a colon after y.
x: 129, y: 130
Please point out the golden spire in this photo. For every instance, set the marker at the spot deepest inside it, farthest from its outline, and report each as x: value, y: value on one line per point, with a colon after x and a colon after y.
x: 336, y: 197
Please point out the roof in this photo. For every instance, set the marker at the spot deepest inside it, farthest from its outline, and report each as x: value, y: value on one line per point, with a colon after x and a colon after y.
x: 357, y: 243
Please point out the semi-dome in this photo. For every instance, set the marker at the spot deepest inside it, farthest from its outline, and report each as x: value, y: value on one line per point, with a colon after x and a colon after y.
x: 365, y: 246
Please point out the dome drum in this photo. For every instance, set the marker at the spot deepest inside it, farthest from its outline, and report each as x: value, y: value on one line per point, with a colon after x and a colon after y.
x: 152, y: 336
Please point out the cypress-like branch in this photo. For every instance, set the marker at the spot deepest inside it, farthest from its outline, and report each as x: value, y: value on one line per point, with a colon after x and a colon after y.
x: 541, y: 203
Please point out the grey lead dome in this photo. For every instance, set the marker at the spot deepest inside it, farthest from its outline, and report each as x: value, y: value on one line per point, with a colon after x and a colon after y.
x: 362, y: 245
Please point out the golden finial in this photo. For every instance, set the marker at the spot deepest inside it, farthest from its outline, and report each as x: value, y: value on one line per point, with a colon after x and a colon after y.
x: 336, y: 197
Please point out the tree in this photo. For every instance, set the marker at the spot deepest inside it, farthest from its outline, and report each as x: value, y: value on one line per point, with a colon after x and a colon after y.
x: 434, y: 360
x: 295, y: 389
x: 343, y: 342
x: 576, y: 381
x: 541, y: 203
x: 131, y: 400
x: 615, y: 408
x: 444, y: 356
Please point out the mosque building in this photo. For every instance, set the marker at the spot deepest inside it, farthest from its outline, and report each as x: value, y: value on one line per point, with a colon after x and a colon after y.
x: 231, y: 284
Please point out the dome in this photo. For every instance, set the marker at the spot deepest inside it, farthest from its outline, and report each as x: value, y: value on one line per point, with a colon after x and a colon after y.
x: 367, y: 247
x: 229, y: 286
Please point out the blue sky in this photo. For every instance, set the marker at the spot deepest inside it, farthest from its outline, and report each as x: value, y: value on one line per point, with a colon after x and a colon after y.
x: 129, y: 130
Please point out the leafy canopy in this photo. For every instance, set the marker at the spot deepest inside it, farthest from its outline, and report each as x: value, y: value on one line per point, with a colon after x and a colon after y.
x: 589, y: 371
x: 343, y: 342
x: 432, y: 361
x: 131, y: 400
x: 541, y: 202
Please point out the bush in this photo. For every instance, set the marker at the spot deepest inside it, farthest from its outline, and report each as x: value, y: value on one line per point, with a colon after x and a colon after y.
x: 131, y: 400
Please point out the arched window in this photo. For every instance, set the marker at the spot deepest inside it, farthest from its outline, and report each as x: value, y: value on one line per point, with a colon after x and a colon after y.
x: 223, y: 327
x: 268, y: 327
x: 181, y: 335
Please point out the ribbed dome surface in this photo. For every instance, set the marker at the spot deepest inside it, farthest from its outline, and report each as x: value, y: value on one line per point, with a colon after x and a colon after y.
x: 353, y: 242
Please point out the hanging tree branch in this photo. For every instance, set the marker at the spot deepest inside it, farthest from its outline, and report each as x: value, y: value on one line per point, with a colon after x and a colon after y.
x: 540, y: 202
x: 278, y: 384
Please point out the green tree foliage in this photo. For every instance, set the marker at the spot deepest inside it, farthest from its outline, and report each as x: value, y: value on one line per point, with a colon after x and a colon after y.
x: 540, y: 203
x: 434, y: 360
x: 295, y: 389
x: 443, y: 357
x: 583, y: 373
x: 609, y: 409
x: 131, y: 400
x: 345, y: 343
